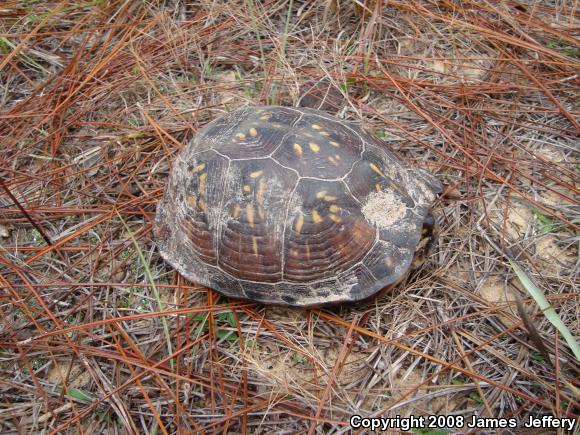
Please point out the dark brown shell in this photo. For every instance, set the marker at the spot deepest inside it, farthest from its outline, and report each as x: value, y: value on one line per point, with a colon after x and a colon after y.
x: 291, y: 206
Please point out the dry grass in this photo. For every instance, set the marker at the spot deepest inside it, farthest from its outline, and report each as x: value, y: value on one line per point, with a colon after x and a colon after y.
x: 98, y: 97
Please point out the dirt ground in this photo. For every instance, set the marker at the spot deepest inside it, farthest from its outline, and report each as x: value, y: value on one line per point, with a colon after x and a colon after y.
x: 99, y: 335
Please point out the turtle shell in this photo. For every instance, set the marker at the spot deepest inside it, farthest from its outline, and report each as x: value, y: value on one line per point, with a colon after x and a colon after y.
x: 291, y: 206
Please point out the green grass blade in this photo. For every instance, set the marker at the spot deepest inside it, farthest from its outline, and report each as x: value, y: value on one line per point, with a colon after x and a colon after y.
x: 75, y: 393
x: 149, y: 275
x: 546, y: 308
x: 285, y: 33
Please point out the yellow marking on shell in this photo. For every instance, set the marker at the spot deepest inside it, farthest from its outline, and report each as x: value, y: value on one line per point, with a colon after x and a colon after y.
x: 378, y: 187
x: 337, y: 156
x: 265, y: 117
x: 376, y: 169
x: 250, y: 215
x: 201, y: 204
x: 334, y: 208
x: 333, y: 160
x: 255, y: 245
x: 324, y: 133
x: 260, y: 197
x: 256, y: 174
x: 316, y: 127
x: 389, y: 262
x: 321, y: 194
x: 261, y: 190
x: 314, y: 147
x: 297, y: 149
x: 246, y: 188
x: 308, y: 251
x: 334, y: 144
x: 198, y: 168
x: 253, y: 132
x: 329, y: 198
x: 236, y: 211
x: 294, y: 252
x: 299, y: 223
x: 241, y: 136
x: 316, y: 217
x: 335, y: 218
x: 192, y: 201
x: 202, y: 180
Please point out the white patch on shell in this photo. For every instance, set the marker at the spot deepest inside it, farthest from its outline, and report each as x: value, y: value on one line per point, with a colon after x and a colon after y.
x: 339, y: 291
x: 384, y: 209
x: 319, y: 300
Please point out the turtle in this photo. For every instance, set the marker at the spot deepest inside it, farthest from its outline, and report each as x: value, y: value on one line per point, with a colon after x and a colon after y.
x: 293, y: 206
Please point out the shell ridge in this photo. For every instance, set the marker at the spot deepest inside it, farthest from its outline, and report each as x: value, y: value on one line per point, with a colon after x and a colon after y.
x: 364, y: 257
x: 220, y: 217
x: 286, y: 135
x: 223, y: 155
x: 363, y: 149
x: 370, y: 271
x: 286, y: 226
x: 350, y: 192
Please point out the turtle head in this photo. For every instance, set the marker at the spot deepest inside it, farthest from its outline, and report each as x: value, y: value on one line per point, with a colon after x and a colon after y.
x: 428, y: 237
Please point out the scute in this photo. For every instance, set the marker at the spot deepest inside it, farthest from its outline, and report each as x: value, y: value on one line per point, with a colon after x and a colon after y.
x: 190, y: 209
x: 285, y: 206
x: 387, y: 262
x: 248, y: 133
x: 251, y: 233
x: 319, y: 147
x: 325, y: 231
